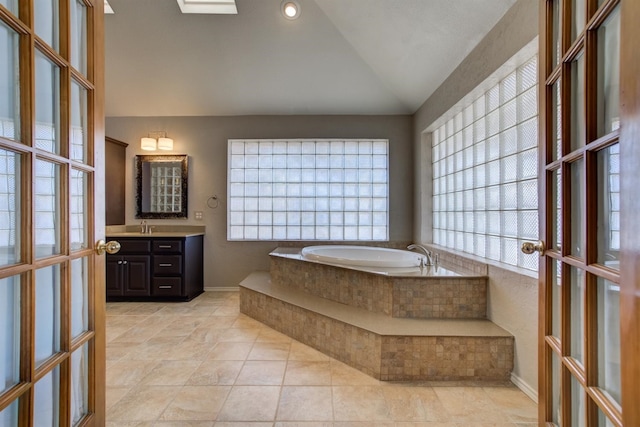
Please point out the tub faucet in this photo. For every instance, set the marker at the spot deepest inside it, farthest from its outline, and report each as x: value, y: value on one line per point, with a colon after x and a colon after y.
x: 426, y: 252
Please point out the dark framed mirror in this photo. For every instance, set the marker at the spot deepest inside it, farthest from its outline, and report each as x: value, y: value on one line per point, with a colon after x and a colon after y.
x: 161, y: 186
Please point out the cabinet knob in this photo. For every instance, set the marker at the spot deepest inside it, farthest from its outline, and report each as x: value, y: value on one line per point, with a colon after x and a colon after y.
x: 111, y: 247
x: 119, y: 262
x: 124, y: 262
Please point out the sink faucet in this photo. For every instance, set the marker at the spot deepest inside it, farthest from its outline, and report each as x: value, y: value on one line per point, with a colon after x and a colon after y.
x: 429, y: 255
x: 145, y: 228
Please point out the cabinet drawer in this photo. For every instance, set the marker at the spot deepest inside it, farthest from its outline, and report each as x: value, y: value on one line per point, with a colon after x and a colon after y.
x: 133, y: 246
x: 167, y: 286
x: 167, y: 246
x: 167, y: 264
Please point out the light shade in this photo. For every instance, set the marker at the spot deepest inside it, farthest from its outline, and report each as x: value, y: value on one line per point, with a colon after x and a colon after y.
x: 149, y: 144
x: 290, y: 9
x: 165, y: 144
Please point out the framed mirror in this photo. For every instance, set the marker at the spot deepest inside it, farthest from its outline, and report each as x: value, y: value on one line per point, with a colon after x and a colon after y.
x: 161, y: 183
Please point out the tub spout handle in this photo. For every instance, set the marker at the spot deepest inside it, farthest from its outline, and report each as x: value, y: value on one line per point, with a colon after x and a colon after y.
x: 428, y: 254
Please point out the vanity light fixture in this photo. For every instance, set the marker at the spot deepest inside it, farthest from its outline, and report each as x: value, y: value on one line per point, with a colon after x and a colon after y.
x: 156, y: 141
x: 290, y: 9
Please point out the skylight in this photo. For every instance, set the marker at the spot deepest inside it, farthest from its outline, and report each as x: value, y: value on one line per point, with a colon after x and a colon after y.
x: 208, y: 6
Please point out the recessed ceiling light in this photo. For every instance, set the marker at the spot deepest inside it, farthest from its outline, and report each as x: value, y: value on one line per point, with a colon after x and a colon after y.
x: 290, y: 9
x: 208, y: 6
x: 107, y: 7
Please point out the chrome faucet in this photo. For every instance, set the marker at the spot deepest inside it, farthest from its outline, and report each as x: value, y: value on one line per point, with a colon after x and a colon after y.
x: 428, y: 254
x: 145, y: 228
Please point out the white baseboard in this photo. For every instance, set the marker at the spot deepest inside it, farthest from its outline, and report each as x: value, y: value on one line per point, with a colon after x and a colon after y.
x: 526, y: 388
x: 222, y: 289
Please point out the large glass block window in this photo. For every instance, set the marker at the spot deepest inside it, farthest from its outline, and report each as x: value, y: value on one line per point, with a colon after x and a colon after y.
x: 485, y: 167
x: 308, y: 190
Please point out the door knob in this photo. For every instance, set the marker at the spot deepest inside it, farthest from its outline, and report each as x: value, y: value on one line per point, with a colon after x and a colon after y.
x: 111, y: 247
x: 531, y: 247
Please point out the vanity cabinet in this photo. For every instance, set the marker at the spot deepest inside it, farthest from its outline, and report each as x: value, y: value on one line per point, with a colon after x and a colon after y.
x: 155, y: 268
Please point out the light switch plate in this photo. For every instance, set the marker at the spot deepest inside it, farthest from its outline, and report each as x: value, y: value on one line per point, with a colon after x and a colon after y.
x: 198, y: 215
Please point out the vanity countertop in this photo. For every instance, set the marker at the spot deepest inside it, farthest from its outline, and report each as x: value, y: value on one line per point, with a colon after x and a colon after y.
x: 157, y: 231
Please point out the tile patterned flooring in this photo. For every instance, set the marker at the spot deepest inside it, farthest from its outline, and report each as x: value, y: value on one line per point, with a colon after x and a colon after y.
x: 204, y: 364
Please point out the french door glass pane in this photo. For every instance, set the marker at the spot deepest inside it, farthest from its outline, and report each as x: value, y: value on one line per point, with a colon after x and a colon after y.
x: 556, y: 49
x: 556, y: 210
x: 9, y: 207
x: 9, y: 415
x: 79, y: 123
x: 47, y: 111
x: 578, y: 17
x: 556, y: 122
x: 79, y: 296
x: 578, y: 128
x: 9, y: 333
x: 556, y: 292
x: 79, y: 219
x: 47, y: 211
x: 46, y: 21
x: 609, y: 74
x: 79, y: 36
x: 46, y: 398
x: 577, y: 314
x: 609, y: 206
x: 577, y: 207
x: 9, y: 83
x: 11, y: 5
x: 79, y: 384
x: 603, y: 421
x: 556, y: 399
x: 609, y: 338
x: 47, y: 313
x: 577, y: 403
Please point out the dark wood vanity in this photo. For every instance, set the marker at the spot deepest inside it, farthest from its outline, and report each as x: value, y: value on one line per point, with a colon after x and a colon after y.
x: 148, y: 267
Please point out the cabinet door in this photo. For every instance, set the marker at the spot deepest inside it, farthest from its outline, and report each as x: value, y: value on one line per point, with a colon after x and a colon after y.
x: 137, y: 275
x: 114, y: 276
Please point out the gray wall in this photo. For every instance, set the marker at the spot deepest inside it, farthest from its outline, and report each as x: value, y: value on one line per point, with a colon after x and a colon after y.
x: 512, y: 297
x: 204, y: 139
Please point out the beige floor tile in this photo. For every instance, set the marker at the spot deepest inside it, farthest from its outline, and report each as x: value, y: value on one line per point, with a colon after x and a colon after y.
x: 244, y: 321
x: 434, y: 411
x: 404, y: 404
x: 171, y: 372
x: 157, y: 348
x: 128, y: 373
x: 123, y: 320
x: 205, y: 334
x: 129, y: 424
x: 301, y: 351
x: 114, y: 394
x: 226, y: 311
x: 262, y: 372
x: 248, y: 403
x: 219, y: 322
x: 191, y: 350
x: 114, y: 332
x: 183, y: 423
x: 303, y: 424
x: 216, y: 372
x: 144, y: 403
x: 300, y: 372
x: 116, y: 351
x: 305, y: 403
x: 361, y: 403
x: 239, y: 335
x: 271, y: 335
x: 196, y: 403
x: 342, y: 374
x: 230, y: 351
x: 137, y: 334
x: 269, y: 351
x: 242, y: 424
x: 469, y: 404
x: 513, y: 403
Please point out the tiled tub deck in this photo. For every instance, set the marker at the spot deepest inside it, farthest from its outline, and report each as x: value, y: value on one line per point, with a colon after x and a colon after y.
x: 392, y: 328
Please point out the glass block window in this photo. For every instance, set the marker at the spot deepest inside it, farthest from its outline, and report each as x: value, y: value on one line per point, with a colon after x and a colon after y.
x: 485, y: 167
x: 308, y: 190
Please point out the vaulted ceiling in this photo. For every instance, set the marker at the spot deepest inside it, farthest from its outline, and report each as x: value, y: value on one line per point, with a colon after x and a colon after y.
x: 338, y: 57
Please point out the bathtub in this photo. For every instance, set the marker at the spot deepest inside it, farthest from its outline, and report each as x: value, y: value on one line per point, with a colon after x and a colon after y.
x: 362, y: 256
